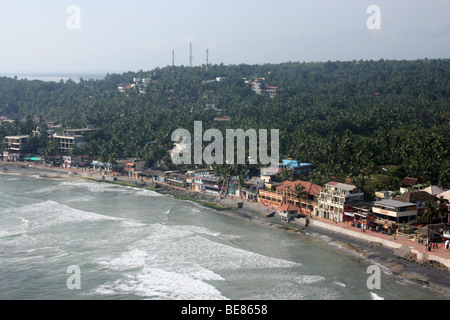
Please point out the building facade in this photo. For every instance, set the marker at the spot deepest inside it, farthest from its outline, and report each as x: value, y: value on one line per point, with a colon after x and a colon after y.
x: 206, y: 182
x: 287, y: 194
x: 334, y: 197
x: 17, y: 147
x: 395, y: 211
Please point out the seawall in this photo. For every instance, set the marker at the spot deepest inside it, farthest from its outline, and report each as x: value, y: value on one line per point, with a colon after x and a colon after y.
x: 398, y: 247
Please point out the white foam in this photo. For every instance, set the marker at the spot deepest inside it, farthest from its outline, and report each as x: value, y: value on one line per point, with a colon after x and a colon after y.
x: 374, y: 296
x: 198, y: 229
x: 309, y: 279
x: 158, y: 284
x: 230, y: 236
x: 84, y: 198
x: 339, y: 284
x: 50, y: 213
x: 144, y: 274
x: 186, y: 246
x: 175, y: 263
x: 299, y: 291
x: 5, y: 234
x: 145, y: 192
x: 13, y: 226
x: 131, y: 260
x: 93, y: 187
x: 13, y: 179
x: 133, y: 223
x: 24, y: 221
x: 98, y: 187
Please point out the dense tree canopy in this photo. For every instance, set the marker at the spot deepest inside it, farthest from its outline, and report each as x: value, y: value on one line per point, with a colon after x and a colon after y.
x: 347, y: 118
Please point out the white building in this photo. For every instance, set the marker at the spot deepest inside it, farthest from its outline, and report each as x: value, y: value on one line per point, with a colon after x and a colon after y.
x: 65, y: 142
x: 333, y: 198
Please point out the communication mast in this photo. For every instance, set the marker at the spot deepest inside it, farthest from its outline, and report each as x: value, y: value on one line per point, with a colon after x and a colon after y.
x: 190, y: 54
x: 207, y: 53
x: 173, y: 60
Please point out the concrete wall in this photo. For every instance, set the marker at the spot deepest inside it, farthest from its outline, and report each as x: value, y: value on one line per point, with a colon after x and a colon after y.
x: 386, y: 243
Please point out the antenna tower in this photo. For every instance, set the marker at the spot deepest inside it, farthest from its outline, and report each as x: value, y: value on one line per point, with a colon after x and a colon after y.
x: 207, y: 53
x: 190, y: 54
x: 173, y: 60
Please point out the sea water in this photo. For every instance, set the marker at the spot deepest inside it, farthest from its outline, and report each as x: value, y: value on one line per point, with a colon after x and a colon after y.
x: 133, y: 243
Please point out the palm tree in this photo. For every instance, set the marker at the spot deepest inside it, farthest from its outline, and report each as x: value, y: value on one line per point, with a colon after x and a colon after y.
x: 52, y: 150
x: 430, y: 211
x: 300, y: 193
x: 442, y: 208
x: 3, y: 147
x: 285, y: 175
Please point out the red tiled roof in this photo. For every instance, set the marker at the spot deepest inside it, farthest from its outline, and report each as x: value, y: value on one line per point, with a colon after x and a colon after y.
x: 226, y: 118
x: 409, y: 182
x: 289, y: 207
x: 311, y: 188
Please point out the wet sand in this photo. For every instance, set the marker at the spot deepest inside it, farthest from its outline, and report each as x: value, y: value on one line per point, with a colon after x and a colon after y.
x: 400, y: 264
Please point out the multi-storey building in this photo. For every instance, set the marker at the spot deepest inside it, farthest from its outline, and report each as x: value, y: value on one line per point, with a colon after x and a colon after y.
x: 17, y: 147
x: 395, y: 211
x: 132, y: 167
x: 334, y: 197
x: 259, y: 88
x: 295, y: 169
x: 417, y: 197
x: 72, y: 137
x: 66, y: 142
x: 287, y: 194
x: 206, y: 182
x: 17, y: 143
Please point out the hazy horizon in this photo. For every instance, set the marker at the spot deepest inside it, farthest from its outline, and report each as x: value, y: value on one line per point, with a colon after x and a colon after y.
x: 60, y: 37
x: 99, y: 74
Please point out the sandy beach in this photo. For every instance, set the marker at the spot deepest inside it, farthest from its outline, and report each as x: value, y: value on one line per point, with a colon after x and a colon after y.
x: 400, y: 256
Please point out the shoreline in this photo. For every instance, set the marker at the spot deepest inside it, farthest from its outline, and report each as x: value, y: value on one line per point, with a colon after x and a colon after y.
x: 400, y: 260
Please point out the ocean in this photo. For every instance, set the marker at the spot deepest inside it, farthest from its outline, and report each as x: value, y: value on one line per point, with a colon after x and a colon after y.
x: 128, y: 243
x: 57, y: 77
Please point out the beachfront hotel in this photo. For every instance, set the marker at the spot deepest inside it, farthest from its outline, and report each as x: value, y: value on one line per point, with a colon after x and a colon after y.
x: 17, y: 147
x: 333, y: 198
x: 395, y: 211
x: 286, y: 194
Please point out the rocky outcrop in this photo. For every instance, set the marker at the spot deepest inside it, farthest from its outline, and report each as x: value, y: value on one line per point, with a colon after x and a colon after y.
x: 231, y: 204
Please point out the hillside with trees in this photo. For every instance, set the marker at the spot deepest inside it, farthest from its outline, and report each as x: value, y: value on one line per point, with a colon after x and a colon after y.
x: 372, y: 121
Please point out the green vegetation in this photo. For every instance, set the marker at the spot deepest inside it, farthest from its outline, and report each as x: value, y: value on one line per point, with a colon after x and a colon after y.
x: 210, y: 205
x: 372, y: 121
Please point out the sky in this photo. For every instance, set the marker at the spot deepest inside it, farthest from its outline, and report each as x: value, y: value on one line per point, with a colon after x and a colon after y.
x: 99, y: 36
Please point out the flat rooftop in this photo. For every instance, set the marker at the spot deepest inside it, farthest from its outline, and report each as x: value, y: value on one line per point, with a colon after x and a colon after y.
x: 393, y: 203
